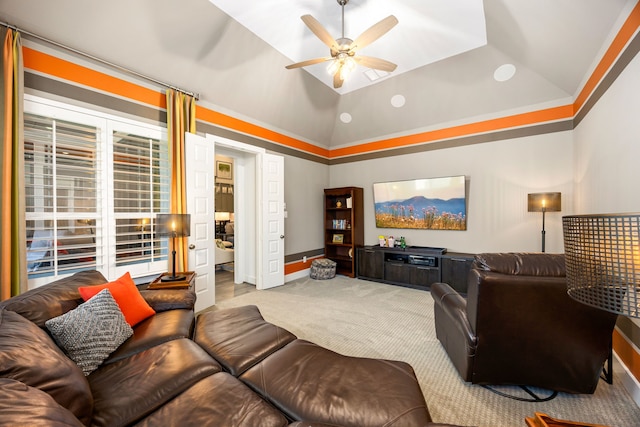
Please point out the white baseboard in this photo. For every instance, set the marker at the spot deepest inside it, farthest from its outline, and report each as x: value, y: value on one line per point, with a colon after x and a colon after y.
x: 297, y: 275
x: 628, y: 380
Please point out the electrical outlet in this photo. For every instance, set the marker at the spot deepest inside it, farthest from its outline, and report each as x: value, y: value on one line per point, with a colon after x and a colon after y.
x: 304, y: 259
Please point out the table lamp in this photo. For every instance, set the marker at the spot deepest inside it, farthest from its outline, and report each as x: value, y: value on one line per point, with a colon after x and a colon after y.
x: 173, y: 225
x: 544, y: 202
x: 221, y: 219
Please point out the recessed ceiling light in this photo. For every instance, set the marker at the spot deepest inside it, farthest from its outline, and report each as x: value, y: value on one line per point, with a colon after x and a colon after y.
x: 397, y: 101
x: 504, y: 72
x: 345, y: 118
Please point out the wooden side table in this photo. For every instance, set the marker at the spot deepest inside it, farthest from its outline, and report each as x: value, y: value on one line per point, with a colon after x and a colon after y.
x: 543, y: 420
x: 186, y: 283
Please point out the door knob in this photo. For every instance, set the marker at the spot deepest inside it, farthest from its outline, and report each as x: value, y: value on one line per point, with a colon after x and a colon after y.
x: 192, y: 246
x: 282, y: 236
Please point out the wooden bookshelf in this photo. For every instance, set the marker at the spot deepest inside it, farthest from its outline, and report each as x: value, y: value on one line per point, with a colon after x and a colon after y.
x: 343, y: 227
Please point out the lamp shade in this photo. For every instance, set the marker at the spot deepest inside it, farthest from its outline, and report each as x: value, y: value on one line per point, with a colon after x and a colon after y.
x: 222, y: 216
x: 551, y: 202
x: 173, y: 225
x: 602, y: 255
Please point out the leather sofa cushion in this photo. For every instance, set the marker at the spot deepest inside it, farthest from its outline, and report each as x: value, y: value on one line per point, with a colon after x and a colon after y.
x: 169, y: 299
x: 29, y: 355
x: 21, y: 405
x: 310, y: 424
x: 524, y: 264
x: 239, y: 337
x: 156, y: 376
x: 309, y: 382
x: 218, y: 400
x: 316, y: 424
x: 162, y: 327
x: 52, y: 300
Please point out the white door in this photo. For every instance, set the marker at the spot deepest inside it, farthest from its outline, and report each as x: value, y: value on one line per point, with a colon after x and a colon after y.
x: 272, y: 261
x: 200, y: 170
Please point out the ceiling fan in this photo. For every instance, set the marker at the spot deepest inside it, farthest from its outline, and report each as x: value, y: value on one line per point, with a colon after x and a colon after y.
x: 343, y: 50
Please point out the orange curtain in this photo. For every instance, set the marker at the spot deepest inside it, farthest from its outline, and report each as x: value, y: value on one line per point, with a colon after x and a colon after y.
x: 13, y: 272
x: 181, y: 118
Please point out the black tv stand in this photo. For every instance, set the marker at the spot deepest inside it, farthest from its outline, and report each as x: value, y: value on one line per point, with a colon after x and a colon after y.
x: 414, y: 266
x: 421, y: 249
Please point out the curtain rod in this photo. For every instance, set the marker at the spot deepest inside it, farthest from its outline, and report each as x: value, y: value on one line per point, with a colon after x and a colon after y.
x: 94, y: 58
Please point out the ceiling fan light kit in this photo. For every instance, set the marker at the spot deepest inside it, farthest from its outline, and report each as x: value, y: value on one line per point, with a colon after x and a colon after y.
x: 343, y: 50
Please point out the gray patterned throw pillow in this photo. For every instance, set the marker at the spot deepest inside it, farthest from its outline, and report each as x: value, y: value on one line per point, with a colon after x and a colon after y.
x: 91, y: 332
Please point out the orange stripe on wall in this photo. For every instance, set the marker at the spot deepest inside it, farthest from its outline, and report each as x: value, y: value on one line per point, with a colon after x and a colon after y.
x: 550, y: 114
x: 51, y: 65
x: 627, y: 354
x: 628, y: 29
x: 229, y: 122
x: 66, y: 70
x: 294, y: 267
x: 48, y: 64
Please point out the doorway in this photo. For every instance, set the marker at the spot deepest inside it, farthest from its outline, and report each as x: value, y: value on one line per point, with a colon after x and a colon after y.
x: 244, y: 201
x: 258, y: 212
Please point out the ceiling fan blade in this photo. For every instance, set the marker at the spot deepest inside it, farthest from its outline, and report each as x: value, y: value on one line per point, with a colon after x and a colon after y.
x: 375, y: 63
x: 308, y: 62
x: 337, y: 81
x: 317, y: 29
x: 374, y: 32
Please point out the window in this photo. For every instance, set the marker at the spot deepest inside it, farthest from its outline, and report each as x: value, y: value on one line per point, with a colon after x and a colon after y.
x: 94, y: 184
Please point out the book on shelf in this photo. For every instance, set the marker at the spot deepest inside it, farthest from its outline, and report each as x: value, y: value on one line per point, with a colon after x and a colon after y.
x: 340, y: 224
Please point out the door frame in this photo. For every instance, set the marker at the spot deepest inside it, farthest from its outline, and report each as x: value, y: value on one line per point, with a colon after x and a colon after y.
x: 245, y: 266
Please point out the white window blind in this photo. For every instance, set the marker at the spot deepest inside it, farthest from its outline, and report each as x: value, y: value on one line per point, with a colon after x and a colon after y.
x: 94, y: 184
x: 141, y: 189
x: 61, y: 167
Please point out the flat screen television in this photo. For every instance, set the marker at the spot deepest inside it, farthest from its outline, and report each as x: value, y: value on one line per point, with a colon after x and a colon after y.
x: 430, y: 203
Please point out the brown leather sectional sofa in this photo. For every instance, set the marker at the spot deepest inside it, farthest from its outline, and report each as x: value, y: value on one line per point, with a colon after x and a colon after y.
x: 221, y: 368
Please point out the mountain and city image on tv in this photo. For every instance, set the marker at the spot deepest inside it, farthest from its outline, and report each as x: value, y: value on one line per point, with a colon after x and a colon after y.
x: 430, y: 203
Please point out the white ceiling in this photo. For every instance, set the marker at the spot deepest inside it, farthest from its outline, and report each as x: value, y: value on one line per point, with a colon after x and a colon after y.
x: 196, y: 46
x: 428, y: 31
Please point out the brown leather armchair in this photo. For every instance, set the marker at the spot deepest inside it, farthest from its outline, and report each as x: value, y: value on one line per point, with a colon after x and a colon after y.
x: 518, y: 326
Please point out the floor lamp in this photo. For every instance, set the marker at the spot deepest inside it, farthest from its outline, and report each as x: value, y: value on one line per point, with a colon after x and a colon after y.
x: 173, y: 225
x: 544, y: 202
x: 602, y: 257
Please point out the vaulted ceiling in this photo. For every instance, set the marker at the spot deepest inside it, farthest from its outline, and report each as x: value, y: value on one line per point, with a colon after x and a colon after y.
x: 429, y: 31
x: 196, y: 46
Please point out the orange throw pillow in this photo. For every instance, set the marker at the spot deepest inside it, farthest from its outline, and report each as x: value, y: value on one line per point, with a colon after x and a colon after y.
x: 133, y: 306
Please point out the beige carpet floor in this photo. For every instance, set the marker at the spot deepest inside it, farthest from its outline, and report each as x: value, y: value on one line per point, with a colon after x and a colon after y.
x: 362, y: 318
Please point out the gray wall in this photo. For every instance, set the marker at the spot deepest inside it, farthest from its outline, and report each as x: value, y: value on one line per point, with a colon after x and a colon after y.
x: 304, y: 182
x: 499, y: 177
